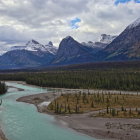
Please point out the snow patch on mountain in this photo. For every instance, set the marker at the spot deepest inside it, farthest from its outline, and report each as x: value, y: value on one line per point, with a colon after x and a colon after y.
x: 103, y: 42
x: 2, y: 52
x: 33, y: 45
x: 51, y: 48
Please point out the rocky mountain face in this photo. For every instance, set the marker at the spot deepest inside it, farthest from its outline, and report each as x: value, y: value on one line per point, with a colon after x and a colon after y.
x: 51, y: 48
x: 70, y: 51
x: 33, y: 45
x: 33, y: 54
x: 125, y: 47
x: 107, y: 39
x: 102, y: 43
x: 18, y: 59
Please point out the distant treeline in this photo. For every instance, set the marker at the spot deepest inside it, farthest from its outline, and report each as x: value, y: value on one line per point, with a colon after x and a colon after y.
x: 3, y: 88
x: 85, y: 79
x: 101, y: 65
x: 86, y: 66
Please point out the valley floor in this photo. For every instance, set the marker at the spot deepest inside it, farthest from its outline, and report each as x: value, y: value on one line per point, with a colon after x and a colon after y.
x: 103, y: 128
x: 97, y: 127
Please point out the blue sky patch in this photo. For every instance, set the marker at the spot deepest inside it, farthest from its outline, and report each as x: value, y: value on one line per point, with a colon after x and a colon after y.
x: 73, y: 23
x: 125, y: 1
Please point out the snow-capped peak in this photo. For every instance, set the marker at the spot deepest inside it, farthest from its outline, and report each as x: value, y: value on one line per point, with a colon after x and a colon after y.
x: 102, y: 43
x: 134, y: 24
x: 51, y: 48
x: 33, y: 45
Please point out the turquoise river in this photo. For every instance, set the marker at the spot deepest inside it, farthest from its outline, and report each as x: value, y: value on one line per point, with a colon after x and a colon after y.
x: 21, y: 121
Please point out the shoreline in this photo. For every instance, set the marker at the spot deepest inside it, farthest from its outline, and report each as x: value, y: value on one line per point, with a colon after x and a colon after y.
x: 78, y: 90
x: 2, y: 136
x: 18, y: 89
x: 96, y: 127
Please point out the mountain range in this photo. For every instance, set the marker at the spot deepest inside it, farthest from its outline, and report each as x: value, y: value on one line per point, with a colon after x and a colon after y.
x: 123, y: 47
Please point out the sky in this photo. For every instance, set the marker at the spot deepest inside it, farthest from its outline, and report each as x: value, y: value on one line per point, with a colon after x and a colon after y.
x: 52, y: 20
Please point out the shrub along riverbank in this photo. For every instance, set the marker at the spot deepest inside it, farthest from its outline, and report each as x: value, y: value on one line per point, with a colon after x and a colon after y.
x: 110, y: 105
x: 3, y: 88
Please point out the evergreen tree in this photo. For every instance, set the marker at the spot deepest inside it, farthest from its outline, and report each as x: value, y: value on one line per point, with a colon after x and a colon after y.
x: 3, y: 88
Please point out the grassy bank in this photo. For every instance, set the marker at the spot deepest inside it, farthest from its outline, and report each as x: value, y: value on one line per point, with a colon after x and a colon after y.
x: 110, y: 103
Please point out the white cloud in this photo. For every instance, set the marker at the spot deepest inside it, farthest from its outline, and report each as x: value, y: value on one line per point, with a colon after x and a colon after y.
x: 45, y: 20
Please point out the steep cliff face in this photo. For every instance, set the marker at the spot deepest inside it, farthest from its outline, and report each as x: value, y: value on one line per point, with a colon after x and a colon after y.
x: 70, y: 51
x: 126, y: 46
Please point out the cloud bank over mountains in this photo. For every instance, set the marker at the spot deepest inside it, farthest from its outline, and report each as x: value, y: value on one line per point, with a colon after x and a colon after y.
x: 45, y: 20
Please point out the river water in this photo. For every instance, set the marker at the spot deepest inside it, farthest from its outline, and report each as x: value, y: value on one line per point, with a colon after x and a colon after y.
x: 21, y: 121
